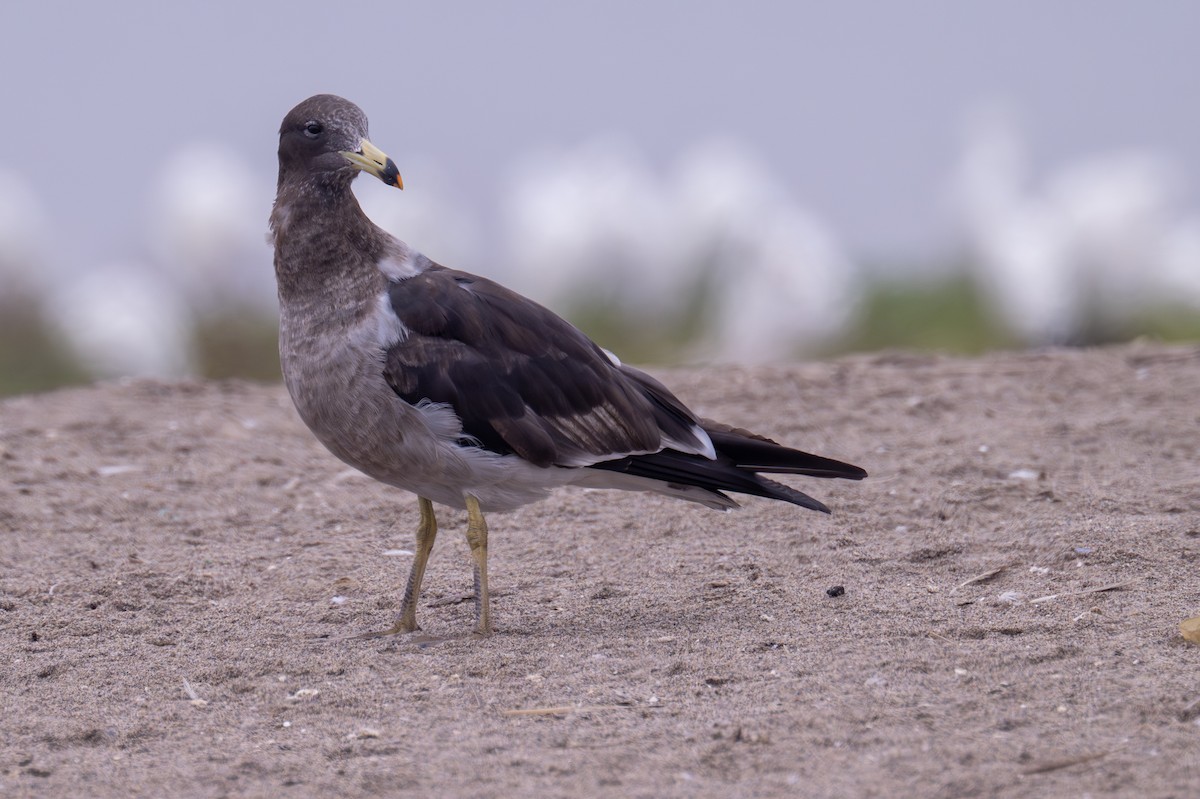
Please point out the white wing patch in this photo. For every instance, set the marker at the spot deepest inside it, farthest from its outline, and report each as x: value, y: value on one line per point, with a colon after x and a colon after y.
x: 381, y: 329
x: 701, y: 446
x: 390, y: 329
x: 404, y: 264
x: 612, y: 356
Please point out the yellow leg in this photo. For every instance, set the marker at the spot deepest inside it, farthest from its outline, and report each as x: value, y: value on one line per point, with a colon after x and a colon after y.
x: 426, y: 533
x: 477, y: 540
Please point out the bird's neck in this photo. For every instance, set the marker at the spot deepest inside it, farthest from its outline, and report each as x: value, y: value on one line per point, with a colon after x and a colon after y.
x: 319, y: 206
x: 324, y: 243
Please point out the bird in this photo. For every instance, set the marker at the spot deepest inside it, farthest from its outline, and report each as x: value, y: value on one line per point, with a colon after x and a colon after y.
x: 451, y: 386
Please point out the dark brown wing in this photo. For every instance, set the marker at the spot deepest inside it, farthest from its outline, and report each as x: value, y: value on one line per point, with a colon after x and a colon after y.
x: 523, y: 380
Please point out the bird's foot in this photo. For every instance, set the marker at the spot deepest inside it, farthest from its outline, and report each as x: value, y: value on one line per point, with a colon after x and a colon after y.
x: 401, y: 627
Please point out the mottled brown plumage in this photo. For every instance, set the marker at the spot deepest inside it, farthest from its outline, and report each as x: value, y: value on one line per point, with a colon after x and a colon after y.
x: 457, y: 389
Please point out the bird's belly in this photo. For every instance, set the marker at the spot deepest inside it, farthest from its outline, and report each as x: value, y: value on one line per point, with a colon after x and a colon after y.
x: 342, y: 397
x: 344, y: 400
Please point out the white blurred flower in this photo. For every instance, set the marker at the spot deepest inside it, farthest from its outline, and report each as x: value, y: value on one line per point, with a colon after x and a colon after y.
x: 1116, y: 211
x: 123, y: 319
x: 780, y: 278
x: 594, y: 223
x: 1017, y: 242
x: 1181, y: 263
x: 207, y: 227
x: 1098, y: 240
x: 597, y: 225
x: 23, y: 234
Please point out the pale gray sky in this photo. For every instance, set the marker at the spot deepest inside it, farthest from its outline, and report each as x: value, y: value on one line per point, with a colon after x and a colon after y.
x: 856, y: 106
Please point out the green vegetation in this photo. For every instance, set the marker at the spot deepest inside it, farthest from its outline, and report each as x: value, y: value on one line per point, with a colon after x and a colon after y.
x: 949, y: 315
x: 31, y: 358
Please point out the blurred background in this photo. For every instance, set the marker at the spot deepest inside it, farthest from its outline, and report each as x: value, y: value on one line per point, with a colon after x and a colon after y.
x: 689, y: 182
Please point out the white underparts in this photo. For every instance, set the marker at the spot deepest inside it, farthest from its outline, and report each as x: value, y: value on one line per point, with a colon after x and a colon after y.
x: 441, y: 420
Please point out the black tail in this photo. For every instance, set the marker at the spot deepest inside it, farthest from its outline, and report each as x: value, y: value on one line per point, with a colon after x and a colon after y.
x: 740, y: 455
x: 758, y: 454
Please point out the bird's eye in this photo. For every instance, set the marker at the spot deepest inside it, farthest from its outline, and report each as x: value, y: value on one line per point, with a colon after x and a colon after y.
x: 313, y: 129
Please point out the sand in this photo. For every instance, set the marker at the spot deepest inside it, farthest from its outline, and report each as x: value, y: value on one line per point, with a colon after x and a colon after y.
x: 182, y: 569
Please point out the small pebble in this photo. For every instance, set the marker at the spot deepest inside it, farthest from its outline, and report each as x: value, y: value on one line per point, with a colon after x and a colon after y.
x: 1190, y: 628
x: 122, y: 468
x: 836, y: 590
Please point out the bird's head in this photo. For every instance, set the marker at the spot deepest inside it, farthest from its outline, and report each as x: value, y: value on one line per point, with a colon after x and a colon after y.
x: 324, y: 139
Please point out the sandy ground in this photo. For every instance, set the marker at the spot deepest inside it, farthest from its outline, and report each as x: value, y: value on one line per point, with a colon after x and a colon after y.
x: 182, y: 567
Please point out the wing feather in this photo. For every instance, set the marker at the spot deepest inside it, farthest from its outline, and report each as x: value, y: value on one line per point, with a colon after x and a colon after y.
x: 524, y: 380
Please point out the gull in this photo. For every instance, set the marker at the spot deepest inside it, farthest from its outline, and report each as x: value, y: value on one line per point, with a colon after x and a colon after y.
x: 448, y: 385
